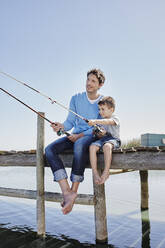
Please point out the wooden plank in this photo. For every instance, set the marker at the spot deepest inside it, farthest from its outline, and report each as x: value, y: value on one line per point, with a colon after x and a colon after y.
x: 119, y: 171
x: 131, y: 149
x: 18, y: 159
x: 148, y: 148
x: 139, y: 160
x: 83, y: 199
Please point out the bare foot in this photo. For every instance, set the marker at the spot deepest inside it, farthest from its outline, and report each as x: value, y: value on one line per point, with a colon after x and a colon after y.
x: 104, y: 176
x: 96, y: 177
x: 68, y: 202
x: 62, y: 203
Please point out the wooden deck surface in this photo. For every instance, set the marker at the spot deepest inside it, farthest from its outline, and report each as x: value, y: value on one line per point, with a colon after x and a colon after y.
x: 136, y: 158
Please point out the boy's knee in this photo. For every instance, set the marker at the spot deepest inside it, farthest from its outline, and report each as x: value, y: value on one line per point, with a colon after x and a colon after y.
x: 107, y: 146
x: 93, y: 148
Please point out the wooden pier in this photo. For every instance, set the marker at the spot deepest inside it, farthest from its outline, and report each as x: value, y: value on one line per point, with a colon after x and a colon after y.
x: 139, y: 158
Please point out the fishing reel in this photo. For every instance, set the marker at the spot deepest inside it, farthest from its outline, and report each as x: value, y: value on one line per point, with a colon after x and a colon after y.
x: 61, y: 132
x: 98, y: 132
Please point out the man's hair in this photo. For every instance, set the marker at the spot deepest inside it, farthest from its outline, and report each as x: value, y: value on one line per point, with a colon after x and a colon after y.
x: 98, y: 73
x: 107, y: 100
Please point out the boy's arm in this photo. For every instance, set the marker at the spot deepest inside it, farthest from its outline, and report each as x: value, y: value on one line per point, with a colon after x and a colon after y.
x: 102, y: 122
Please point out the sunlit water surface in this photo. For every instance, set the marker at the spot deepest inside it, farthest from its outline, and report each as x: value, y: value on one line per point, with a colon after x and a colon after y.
x: 127, y: 225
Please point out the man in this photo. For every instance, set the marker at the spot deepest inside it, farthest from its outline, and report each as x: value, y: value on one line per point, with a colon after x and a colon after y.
x: 84, y: 104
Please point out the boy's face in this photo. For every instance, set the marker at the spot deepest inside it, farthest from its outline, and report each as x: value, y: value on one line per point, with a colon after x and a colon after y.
x: 92, y: 84
x: 105, y: 111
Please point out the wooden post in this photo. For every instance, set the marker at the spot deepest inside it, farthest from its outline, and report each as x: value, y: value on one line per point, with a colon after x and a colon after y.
x: 40, y: 177
x: 100, y: 213
x: 144, y: 189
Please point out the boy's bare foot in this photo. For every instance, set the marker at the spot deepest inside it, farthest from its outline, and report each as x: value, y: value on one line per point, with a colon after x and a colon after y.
x: 104, y: 176
x: 96, y: 177
x: 68, y: 202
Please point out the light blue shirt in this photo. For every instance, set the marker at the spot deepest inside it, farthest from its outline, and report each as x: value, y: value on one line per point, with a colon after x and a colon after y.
x: 81, y: 105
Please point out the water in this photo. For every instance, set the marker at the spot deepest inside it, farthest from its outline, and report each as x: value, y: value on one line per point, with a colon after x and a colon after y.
x: 128, y: 227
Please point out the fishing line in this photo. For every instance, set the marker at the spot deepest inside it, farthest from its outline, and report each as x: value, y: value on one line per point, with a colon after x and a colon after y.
x: 59, y: 133
x: 49, y: 98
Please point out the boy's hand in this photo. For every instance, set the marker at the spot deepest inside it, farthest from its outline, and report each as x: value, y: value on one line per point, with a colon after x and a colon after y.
x: 57, y: 126
x: 91, y: 122
x: 101, y: 134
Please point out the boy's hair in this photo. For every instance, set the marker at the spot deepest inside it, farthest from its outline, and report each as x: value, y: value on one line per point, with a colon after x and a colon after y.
x: 98, y: 73
x: 107, y: 100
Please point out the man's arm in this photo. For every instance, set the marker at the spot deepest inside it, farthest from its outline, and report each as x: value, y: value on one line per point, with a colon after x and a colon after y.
x: 70, y: 120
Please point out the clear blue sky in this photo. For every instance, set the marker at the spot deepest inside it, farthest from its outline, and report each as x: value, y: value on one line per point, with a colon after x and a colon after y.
x: 52, y: 44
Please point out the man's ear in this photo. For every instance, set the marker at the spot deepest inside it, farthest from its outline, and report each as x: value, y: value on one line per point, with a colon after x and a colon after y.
x: 100, y: 85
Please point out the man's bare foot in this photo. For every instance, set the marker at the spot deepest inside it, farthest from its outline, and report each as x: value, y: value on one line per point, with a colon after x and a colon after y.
x: 96, y: 177
x: 62, y: 203
x: 104, y: 176
x: 68, y: 202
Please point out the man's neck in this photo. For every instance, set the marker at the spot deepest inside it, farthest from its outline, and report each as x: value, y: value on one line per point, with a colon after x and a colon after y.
x: 93, y: 96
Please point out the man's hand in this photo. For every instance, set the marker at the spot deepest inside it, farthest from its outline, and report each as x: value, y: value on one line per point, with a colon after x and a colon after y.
x: 74, y: 137
x: 57, y: 126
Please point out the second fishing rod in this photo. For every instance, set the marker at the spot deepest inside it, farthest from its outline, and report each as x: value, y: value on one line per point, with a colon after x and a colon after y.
x: 97, y: 128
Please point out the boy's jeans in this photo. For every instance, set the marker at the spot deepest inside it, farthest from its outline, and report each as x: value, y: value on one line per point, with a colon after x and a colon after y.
x: 80, y: 156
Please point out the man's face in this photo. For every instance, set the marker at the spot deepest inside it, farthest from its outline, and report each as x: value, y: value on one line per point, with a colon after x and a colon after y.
x: 92, y: 84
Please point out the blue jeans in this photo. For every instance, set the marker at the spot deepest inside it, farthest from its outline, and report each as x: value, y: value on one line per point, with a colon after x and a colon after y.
x: 80, y: 156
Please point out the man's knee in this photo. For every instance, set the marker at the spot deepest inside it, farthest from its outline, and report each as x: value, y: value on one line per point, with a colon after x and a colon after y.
x: 80, y: 147
x: 48, y: 149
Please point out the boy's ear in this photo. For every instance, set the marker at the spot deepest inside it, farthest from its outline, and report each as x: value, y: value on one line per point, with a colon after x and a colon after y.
x: 112, y: 109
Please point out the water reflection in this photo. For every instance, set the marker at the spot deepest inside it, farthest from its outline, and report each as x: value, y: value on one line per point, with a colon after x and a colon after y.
x: 10, y: 238
x: 145, y: 229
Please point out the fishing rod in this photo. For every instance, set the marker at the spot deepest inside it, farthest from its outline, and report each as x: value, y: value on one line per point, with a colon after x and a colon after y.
x: 49, y: 98
x: 96, y: 128
x: 59, y: 132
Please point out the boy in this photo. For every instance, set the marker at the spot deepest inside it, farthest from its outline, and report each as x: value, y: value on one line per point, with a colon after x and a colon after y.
x: 108, y: 140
